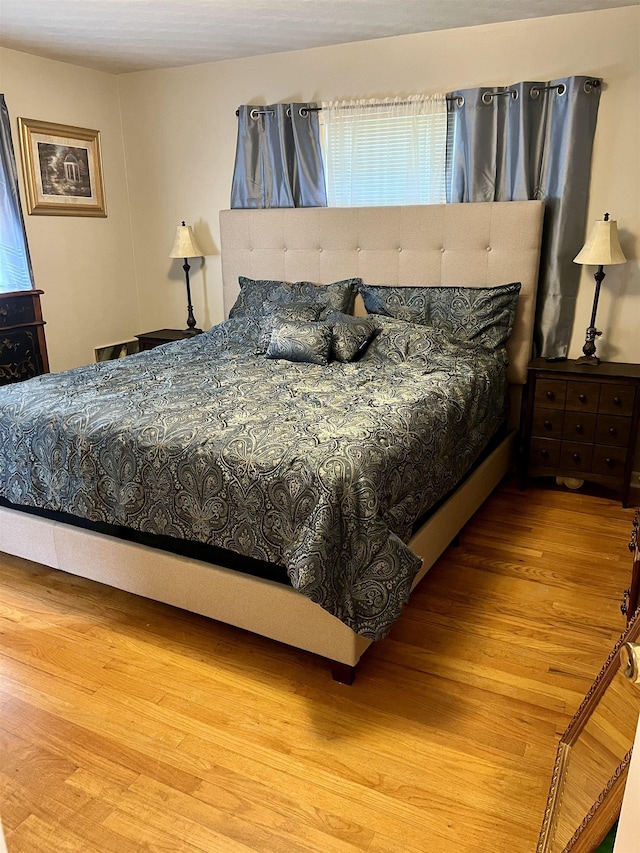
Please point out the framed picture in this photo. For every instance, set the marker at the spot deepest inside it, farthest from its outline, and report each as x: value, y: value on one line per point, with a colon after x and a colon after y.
x: 62, y: 169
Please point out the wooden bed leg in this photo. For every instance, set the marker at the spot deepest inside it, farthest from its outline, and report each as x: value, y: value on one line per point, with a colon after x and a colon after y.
x: 342, y: 672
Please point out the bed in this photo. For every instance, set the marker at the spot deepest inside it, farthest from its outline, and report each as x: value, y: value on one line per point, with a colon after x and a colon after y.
x: 448, y: 246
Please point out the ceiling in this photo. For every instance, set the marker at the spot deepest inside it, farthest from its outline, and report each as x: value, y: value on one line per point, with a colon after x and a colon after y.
x: 119, y: 36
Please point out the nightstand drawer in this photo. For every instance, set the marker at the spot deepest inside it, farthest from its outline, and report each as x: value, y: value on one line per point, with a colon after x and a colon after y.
x: 617, y: 399
x: 575, y: 456
x: 608, y: 460
x: 551, y: 393
x: 582, y: 396
x: 15, y: 312
x: 545, y: 453
x: 579, y: 426
x: 547, y: 423
x: 612, y: 430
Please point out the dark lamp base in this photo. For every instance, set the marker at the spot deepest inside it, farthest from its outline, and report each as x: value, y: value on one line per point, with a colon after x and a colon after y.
x: 592, y: 360
x: 193, y: 331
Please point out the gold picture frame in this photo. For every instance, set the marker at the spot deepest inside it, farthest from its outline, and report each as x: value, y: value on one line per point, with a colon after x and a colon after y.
x: 62, y: 167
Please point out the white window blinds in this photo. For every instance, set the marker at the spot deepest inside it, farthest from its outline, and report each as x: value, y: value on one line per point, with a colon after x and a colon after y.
x: 385, y: 152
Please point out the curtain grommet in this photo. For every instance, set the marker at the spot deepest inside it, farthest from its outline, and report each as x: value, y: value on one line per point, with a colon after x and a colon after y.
x: 254, y: 114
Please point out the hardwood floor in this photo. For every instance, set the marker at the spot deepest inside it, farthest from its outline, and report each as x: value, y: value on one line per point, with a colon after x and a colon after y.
x: 127, y: 725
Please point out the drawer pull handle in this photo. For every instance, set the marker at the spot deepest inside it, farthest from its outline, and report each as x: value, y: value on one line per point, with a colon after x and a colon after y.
x: 613, y: 431
x: 582, y: 398
x: 548, y: 425
x: 544, y: 454
x: 610, y: 462
x: 575, y: 457
x: 3, y: 312
x: 617, y: 401
x: 579, y: 428
x: 551, y: 395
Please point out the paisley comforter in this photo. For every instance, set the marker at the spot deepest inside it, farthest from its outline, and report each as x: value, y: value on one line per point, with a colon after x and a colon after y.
x: 321, y: 469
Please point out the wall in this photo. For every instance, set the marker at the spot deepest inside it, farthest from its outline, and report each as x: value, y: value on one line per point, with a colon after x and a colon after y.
x: 177, y: 128
x: 180, y: 132
x: 84, y: 265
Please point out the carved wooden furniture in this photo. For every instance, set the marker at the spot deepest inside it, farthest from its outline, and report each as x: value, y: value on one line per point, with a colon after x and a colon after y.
x: 632, y: 595
x: 582, y: 422
x: 23, y: 350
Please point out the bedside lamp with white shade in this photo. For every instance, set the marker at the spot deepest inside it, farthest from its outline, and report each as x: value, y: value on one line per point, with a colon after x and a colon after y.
x: 601, y: 249
x: 185, y: 246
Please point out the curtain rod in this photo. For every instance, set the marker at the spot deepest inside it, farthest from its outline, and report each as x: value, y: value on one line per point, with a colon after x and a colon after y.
x: 487, y: 97
x: 304, y: 111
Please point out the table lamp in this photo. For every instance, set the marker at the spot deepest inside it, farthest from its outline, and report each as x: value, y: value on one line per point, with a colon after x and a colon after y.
x: 185, y: 246
x: 602, y: 248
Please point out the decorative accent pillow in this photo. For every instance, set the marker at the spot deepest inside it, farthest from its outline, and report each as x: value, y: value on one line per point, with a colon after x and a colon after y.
x: 292, y: 311
x: 349, y: 335
x: 484, y: 315
x: 296, y: 341
x: 254, y: 294
x: 399, y: 341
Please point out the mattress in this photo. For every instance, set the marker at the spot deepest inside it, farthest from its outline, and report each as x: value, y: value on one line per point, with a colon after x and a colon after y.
x: 322, y: 469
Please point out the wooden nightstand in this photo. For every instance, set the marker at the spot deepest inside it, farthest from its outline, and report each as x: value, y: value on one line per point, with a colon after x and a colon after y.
x: 582, y: 422
x: 149, y: 340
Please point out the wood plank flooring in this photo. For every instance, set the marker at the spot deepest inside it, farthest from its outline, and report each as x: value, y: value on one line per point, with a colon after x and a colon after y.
x: 127, y: 725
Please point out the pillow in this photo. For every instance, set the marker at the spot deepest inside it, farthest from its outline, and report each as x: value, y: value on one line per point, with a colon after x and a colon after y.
x: 296, y: 341
x: 484, y: 315
x: 349, y: 335
x: 274, y: 311
x: 398, y: 342
x: 254, y: 294
x: 402, y: 303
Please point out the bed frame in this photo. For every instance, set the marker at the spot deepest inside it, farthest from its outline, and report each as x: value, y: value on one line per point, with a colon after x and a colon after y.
x: 464, y: 244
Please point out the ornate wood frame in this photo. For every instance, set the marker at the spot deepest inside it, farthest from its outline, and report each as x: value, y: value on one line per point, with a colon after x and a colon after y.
x: 79, y: 193
x: 604, y: 812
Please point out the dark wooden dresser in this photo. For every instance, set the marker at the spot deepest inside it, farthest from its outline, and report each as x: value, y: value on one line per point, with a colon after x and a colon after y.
x: 23, y: 350
x: 582, y: 422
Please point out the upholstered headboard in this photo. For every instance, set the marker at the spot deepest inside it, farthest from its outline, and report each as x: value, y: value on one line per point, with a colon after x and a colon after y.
x: 465, y: 244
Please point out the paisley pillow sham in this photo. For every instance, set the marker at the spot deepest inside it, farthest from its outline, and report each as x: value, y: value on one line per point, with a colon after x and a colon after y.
x: 483, y: 315
x: 255, y: 294
x: 297, y: 341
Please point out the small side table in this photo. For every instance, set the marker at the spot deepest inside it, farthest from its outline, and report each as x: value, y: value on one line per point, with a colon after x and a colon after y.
x: 149, y: 340
x: 582, y: 422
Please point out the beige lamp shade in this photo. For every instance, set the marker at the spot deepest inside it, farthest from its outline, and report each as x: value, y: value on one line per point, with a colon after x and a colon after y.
x: 602, y: 247
x: 185, y: 245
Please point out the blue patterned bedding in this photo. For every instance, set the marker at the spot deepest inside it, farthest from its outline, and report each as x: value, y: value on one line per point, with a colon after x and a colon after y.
x: 320, y: 468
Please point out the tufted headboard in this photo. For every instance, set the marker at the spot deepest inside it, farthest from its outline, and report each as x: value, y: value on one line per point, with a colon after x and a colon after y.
x: 446, y: 244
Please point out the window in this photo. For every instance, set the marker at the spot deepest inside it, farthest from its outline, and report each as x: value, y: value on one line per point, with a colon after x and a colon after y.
x: 15, y: 266
x: 385, y: 152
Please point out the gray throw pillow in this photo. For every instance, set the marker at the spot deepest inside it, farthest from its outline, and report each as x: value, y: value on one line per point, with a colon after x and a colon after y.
x: 297, y: 341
